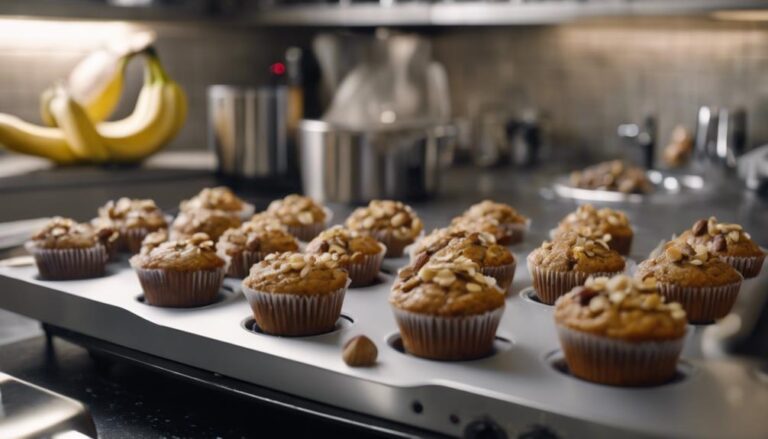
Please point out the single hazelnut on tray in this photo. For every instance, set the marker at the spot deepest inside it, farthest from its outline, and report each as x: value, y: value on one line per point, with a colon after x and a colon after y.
x: 360, y: 351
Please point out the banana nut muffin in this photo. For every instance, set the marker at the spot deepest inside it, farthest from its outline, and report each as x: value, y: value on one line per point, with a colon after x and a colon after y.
x: 481, y: 248
x: 218, y: 198
x: 620, y: 332
x: 251, y: 242
x: 153, y: 240
x: 292, y: 294
x: 65, y: 249
x: 430, y: 244
x: 607, y: 224
x: 211, y: 222
x: 706, y: 286
x: 180, y: 273
x: 728, y: 241
x: 447, y: 310
x: 393, y: 223
x: 302, y: 216
x: 133, y: 218
x: 511, y: 223
x: 567, y: 261
x: 360, y: 254
x: 614, y: 176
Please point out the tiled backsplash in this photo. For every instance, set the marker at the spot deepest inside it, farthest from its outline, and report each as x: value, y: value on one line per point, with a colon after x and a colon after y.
x: 588, y: 77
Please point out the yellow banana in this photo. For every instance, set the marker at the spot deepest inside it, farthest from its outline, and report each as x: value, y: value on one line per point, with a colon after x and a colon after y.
x: 26, y: 138
x: 82, y: 137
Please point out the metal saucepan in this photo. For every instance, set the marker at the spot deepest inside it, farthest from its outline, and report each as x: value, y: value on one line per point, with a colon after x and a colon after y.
x: 399, y: 161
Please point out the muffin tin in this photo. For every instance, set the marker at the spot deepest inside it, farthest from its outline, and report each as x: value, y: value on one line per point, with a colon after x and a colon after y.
x: 523, y: 387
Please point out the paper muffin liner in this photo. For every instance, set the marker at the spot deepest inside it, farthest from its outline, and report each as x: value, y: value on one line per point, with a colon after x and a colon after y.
x: 241, y: 263
x: 702, y: 304
x: 307, y: 232
x: 364, y: 272
x: 180, y: 289
x: 132, y: 238
x: 295, y: 315
x: 514, y: 233
x: 70, y: 263
x: 748, y: 266
x: 550, y: 285
x: 504, y: 275
x: 448, y: 338
x: 615, y: 362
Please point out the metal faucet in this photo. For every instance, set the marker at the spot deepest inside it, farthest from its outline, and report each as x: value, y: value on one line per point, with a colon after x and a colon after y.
x: 643, y: 137
x: 720, y: 136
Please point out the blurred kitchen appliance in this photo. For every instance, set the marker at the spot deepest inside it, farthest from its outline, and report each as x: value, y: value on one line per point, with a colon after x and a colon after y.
x: 721, y: 136
x: 502, y: 138
x: 248, y: 128
x: 643, y: 140
x: 400, y: 161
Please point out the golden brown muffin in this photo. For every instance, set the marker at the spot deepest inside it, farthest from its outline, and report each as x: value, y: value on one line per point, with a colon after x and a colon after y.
x: 687, y: 266
x: 510, y: 225
x: 619, y: 332
x: 265, y: 219
x: 393, y: 223
x: 217, y: 198
x: 728, y: 241
x: 66, y: 233
x: 294, y: 273
x: 211, y: 222
x: 449, y: 289
x: 486, y: 224
x: 127, y: 213
x: 427, y: 246
x: 154, y: 239
x: 297, y: 210
x: 563, y: 263
x: 197, y: 252
x: 621, y: 308
x: 350, y: 245
x: 251, y: 242
x: 614, y: 176
x: 607, y: 224
x: 480, y: 248
x: 706, y: 286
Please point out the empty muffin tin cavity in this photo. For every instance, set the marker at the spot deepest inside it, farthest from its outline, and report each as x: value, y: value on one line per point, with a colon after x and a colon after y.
x: 344, y: 321
x: 500, y: 344
x: 556, y: 360
x: 529, y: 295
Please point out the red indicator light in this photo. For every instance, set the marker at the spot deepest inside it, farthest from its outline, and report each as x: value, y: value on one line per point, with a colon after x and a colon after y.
x: 277, y: 68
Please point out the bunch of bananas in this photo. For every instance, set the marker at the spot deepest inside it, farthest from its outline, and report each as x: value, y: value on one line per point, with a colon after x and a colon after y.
x: 77, y: 130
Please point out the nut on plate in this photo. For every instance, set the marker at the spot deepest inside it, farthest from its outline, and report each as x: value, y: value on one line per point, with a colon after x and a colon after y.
x: 360, y: 351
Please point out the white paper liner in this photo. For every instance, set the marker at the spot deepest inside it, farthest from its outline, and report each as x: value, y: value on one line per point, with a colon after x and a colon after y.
x: 364, y: 272
x: 550, y: 285
x: 180, y: 289
x: 618, y: 362
x: 504, y: 275
x: 448, y: 338
x: 70, y: 263
x: 748, y: 266
x: 295, y: 315
x: 702, y: 304
x: 308, y: 232
x: 133, y: 236
x: 240, y: 264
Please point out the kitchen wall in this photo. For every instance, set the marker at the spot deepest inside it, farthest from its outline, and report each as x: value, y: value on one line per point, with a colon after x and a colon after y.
x: 587, y: 77
x: 591, y: 77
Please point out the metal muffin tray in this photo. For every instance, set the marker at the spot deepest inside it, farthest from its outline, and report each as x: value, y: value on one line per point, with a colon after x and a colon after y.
x: 667, y: 187
x: 523, y: 387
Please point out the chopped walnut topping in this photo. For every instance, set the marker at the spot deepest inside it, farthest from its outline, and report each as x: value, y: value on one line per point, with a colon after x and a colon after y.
x: 65, y: 233
x: 218, y: 198
x: 351, y: 246
x: 297, y: 210
x: 197, y: 252
x: 386, y: 217
x: 612, y: 176
x: 133, y: 213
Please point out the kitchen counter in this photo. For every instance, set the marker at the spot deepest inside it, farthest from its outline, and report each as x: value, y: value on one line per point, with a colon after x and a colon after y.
x: 129, y: 401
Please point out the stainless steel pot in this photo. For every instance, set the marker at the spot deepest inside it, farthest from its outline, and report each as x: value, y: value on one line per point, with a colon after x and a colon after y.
x: 354, y: 166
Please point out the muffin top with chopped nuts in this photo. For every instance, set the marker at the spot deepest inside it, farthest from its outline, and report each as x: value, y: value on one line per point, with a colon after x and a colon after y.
x: 197, y: 252
x: 256, y: 237
x: 297, y: 210
x: 436, y: 240
x: 265, y: 219
x: 595, y: 223
x: 211, y: 222
x: 386, y: 217
x: 351, y: 246
x: 296, y: 273
x: 480, y: 248
x: 572, y: 252
x: 484, y: 224
x: 684, y: 265
x: 154, y: 239
x: 721, y: 239
x: 503, y: 213
x: 449, y: 289
x: 613, y: 175
x: 66, y: 233
x: 621, y: 308
x: 132, y: 213
x: 217, y: 198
